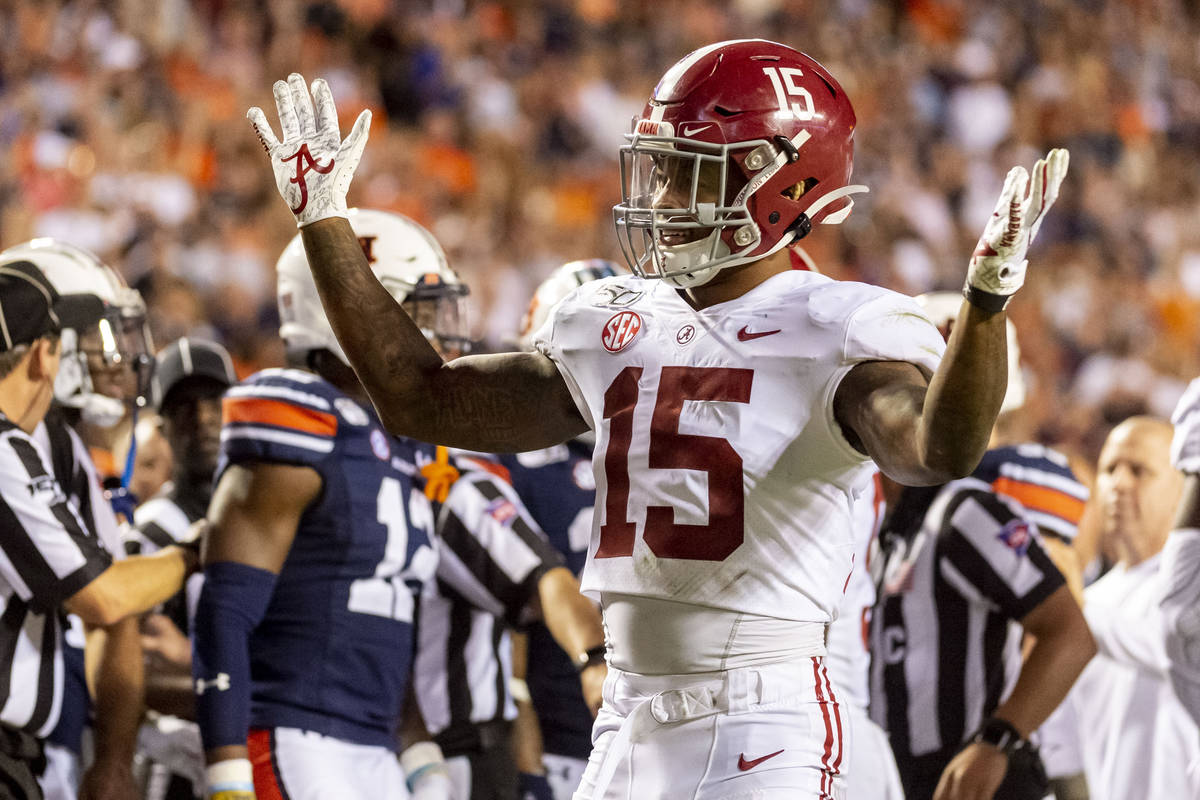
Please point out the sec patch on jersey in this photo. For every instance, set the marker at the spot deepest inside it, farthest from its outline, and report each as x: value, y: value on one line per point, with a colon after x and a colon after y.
x: 620, y: 331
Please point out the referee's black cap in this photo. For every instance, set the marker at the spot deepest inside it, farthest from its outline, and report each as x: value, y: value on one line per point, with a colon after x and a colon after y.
x: 190, y: 358
x: 30, y: 307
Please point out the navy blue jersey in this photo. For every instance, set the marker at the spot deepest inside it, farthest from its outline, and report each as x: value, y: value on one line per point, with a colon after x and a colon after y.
x: 558, y: 488
x: 334, y: 651
x: 1041, y: 480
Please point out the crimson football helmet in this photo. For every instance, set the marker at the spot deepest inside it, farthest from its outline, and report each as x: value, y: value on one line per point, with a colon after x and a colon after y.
x: 743, y: 147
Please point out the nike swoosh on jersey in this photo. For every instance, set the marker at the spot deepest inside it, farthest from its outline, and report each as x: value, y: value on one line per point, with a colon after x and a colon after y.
x: 744, y: 765
x: 744, y: 335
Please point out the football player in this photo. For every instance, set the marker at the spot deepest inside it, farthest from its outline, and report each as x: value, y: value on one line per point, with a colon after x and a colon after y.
x: 103, y: 374
x: 337, y: 741
x: 736, y: 402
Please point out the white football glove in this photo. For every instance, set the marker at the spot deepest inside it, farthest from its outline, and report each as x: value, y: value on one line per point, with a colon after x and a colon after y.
x: 313, y: 165
x: 1185, y: 444
x: 997, y: 268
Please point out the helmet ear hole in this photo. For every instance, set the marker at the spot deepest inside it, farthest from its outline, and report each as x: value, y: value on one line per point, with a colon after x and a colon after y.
x: 798, y: 190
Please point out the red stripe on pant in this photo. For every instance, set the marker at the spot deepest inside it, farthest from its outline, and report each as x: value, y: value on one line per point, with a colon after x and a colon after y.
x: 828, y: 770
x: 266, y: 780
x: 837, y: 717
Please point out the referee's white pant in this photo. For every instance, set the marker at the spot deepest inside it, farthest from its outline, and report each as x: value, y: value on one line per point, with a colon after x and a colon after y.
x: 771, y: 732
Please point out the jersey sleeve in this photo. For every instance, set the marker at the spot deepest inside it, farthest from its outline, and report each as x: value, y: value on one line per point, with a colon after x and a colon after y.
x: 46, y: 554
x: 277, y: 418
x: 1040, y: 480
x: 157, y: 523
x: 892, y: 327
x: 553, y: 341
x: 988, y: 552
x: 491, y: 551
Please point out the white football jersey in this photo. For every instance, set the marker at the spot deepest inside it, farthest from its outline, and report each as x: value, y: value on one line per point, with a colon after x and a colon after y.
x: 849, y: 659
x: 722, y: 478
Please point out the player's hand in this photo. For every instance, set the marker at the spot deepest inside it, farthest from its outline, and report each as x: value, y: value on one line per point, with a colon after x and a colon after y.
x: 1185, y: 445
x: 974, y: 774
x: 108, y: 779
x: 313, y: 165
x: 997, y: 268
x: 163, y: 642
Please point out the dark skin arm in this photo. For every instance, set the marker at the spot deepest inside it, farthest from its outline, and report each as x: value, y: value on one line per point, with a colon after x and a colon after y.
x: 919, y: 432
x: 113, y: 659
x: 495, y: 403
x: 924, y: 432
x: 254, y: 514
x: 168, y: 658
x: 1063, y: 645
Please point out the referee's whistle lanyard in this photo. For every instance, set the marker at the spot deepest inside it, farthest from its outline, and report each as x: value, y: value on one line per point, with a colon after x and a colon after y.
x: 122, y: 499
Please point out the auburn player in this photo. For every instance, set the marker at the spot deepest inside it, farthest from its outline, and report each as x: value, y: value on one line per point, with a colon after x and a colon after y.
x: 491, y: 557
x: 495, y: 570
x: 320, y: 543
x: 736, y: 404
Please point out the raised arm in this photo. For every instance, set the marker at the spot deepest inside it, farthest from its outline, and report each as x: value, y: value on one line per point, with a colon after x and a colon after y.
x: 925, y: 432
x: 495, y: 403
x: 501, y: 403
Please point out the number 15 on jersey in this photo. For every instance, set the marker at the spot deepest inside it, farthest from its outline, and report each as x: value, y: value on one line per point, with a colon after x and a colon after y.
x: 671, y: 450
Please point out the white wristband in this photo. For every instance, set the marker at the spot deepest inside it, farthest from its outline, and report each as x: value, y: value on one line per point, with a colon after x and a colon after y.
x: 421, y: 759
x: 234, y: 775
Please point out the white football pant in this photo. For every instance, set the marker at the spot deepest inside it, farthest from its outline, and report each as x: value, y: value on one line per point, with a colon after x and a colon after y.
x: 771, y: 732
x: 563, y: 773
x: 871, y: 772
x: 302, y: 765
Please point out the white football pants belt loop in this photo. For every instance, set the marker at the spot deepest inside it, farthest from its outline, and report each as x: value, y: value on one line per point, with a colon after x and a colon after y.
x: 665, y: 708
x: 733, y: 691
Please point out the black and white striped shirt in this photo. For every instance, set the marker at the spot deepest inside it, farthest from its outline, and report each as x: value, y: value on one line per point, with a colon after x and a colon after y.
x: 47, y: 554
x: 491, y: 557
x: 162, y: 521
x: 960, y: 568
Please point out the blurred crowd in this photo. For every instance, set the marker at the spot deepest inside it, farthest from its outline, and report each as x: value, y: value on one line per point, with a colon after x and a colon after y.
x: 497, y: 126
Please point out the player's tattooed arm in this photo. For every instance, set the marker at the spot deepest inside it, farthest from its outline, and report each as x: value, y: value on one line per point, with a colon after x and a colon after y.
x: 494, y: 403
x: 922, y: 432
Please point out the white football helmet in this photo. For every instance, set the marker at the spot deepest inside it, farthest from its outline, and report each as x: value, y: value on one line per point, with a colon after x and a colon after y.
x: 942, y: 308
x: 105, y: 368
x: 408, y: 262
x: 562, y: 282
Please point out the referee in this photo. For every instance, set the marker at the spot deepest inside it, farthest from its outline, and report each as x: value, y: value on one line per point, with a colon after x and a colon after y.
x: 496, y: 571
x: 964, y: 574
x: 48, y: 563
